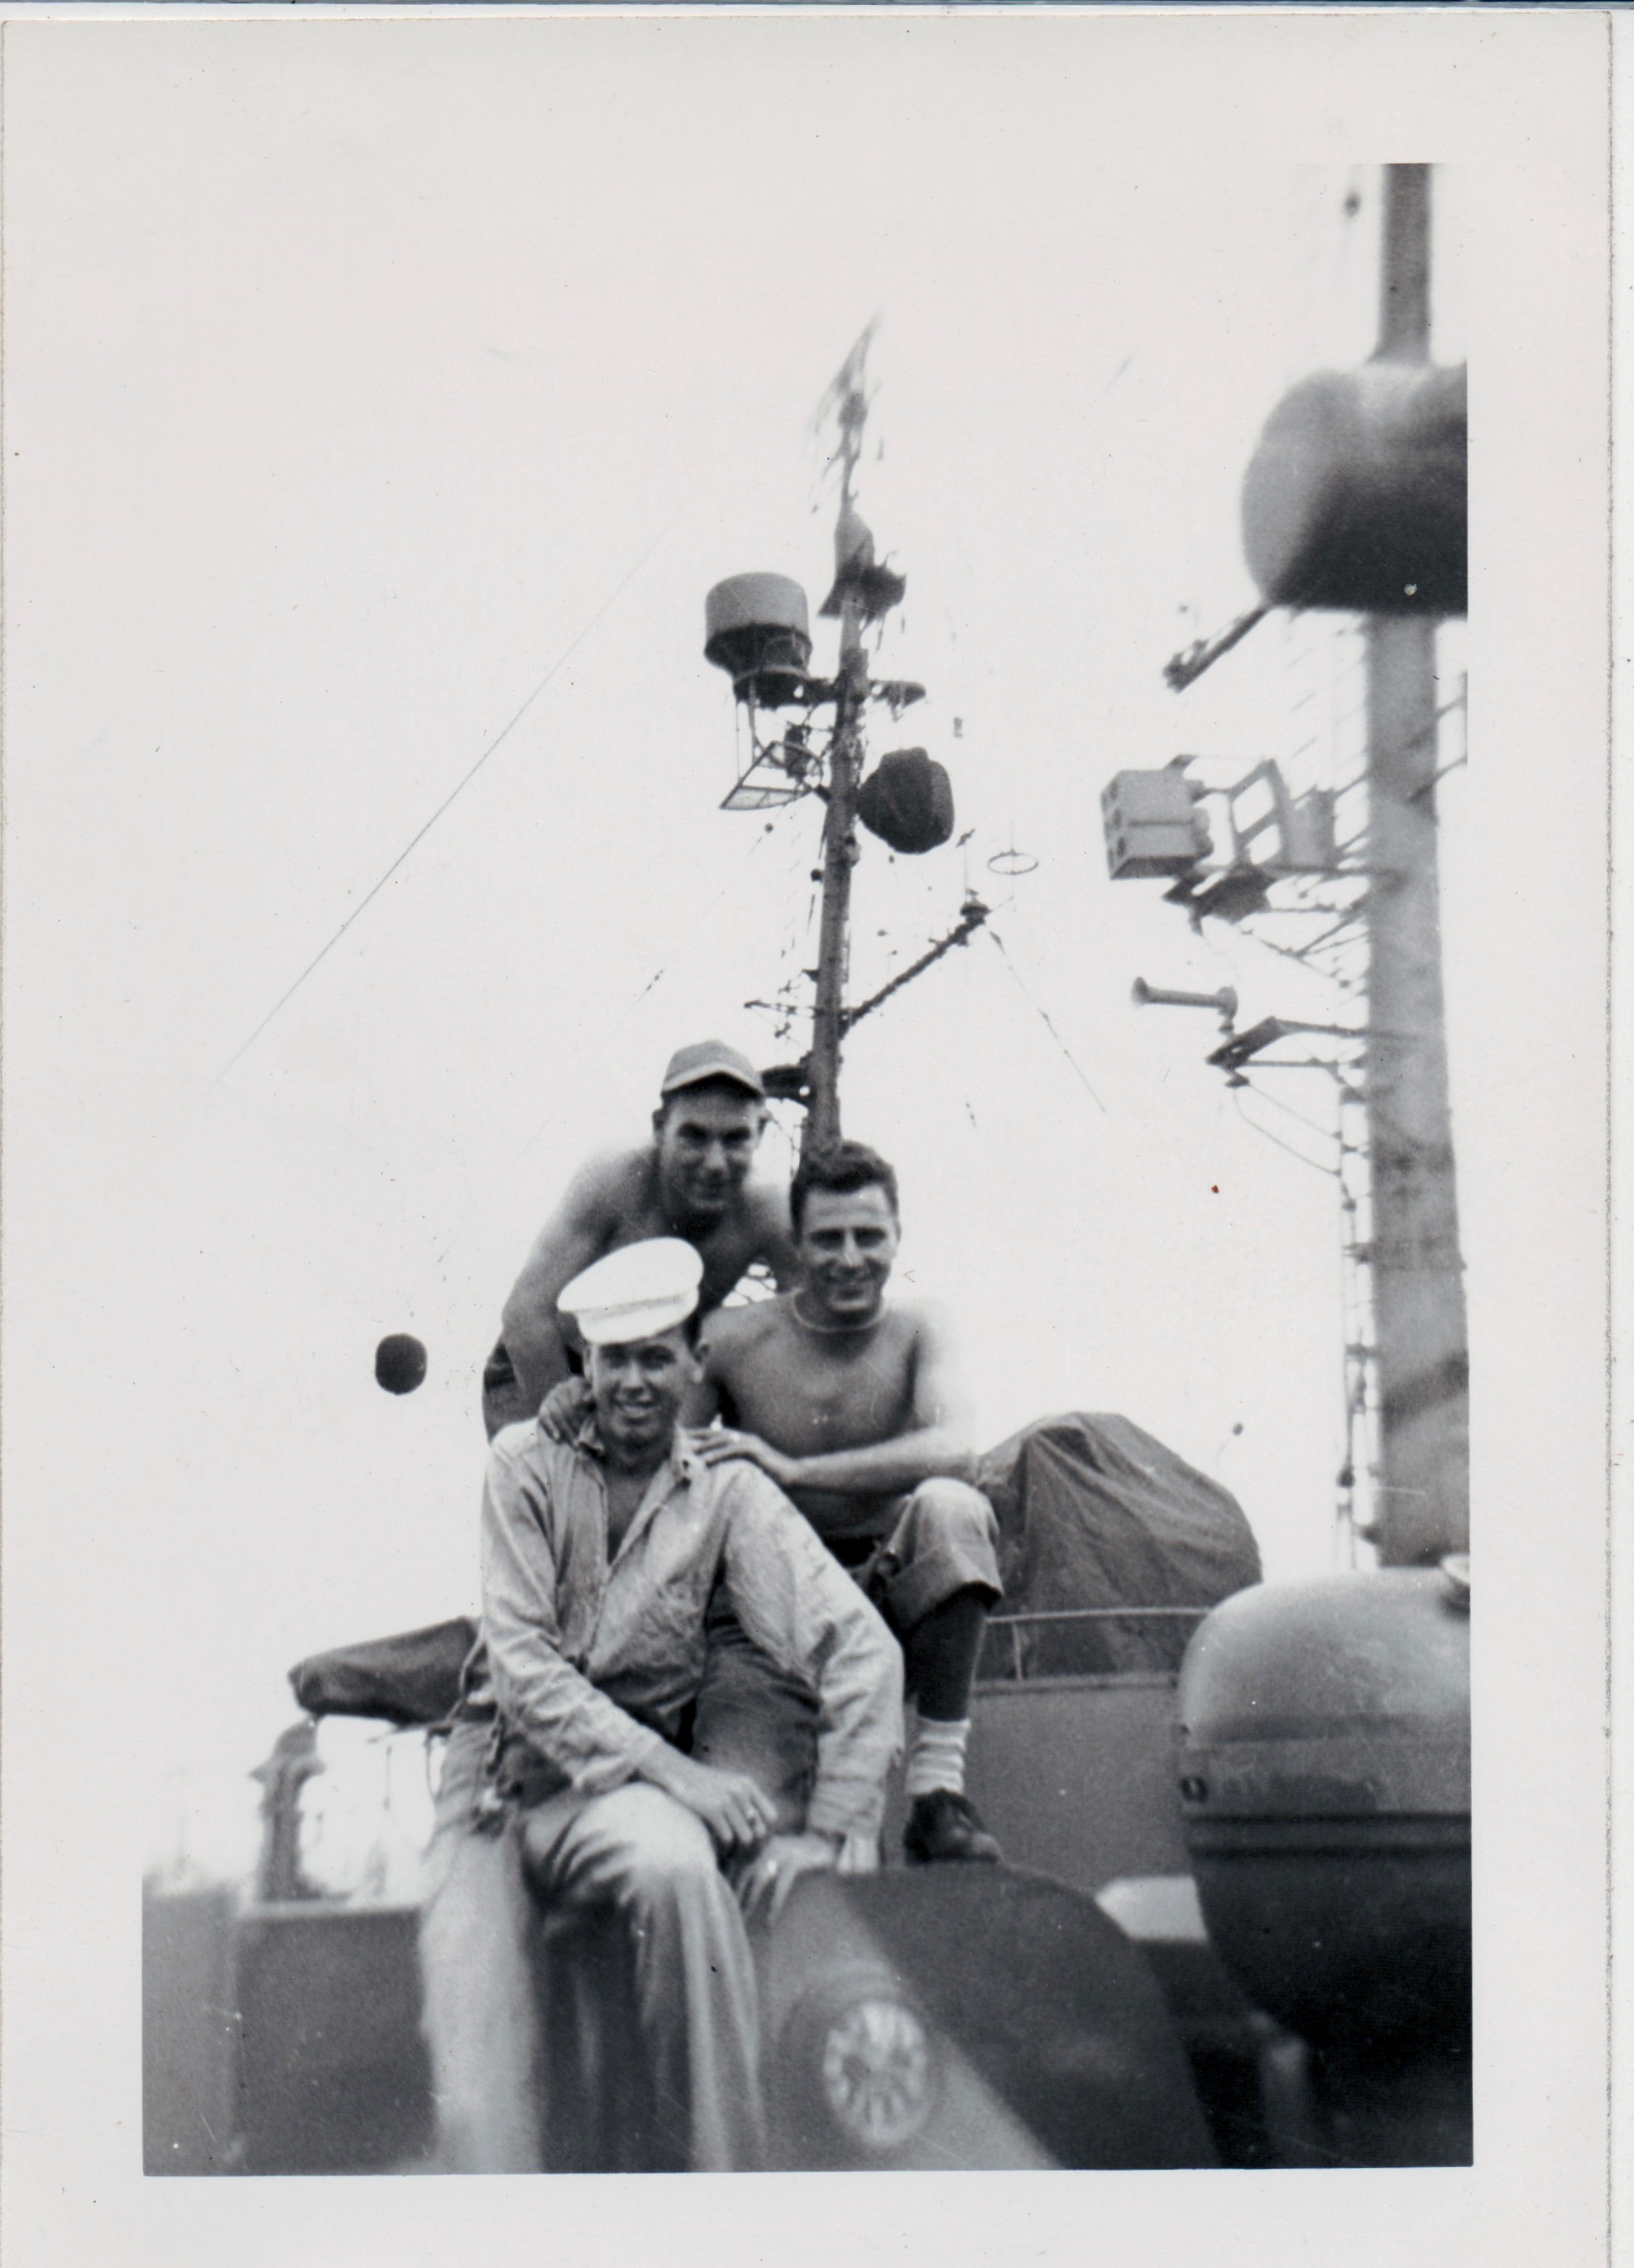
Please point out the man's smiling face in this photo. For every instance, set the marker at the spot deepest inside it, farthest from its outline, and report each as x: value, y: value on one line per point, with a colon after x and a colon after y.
x: 706, y: 1138
x: 637, y: 1389
x: 849, y: 1240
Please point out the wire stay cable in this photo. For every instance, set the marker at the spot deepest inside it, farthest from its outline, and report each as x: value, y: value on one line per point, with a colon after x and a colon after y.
x: 503, y: 734
x: 1266, y: 1135
x: 672, y: 959
x: 1044, y: 1020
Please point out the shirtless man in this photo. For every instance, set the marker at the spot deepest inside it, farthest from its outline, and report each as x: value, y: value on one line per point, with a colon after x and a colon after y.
x: 691, y: 1180
x: 855, y: 1409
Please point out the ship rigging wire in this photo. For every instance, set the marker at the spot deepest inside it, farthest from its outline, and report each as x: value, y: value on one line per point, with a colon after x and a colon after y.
x: 672, y: 961
x: 1043, y: 1019
x: 1314, y: 1164
x: 458, y: 790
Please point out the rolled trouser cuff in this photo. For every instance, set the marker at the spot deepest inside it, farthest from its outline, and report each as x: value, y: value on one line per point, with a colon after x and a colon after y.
x: 946, y: 1540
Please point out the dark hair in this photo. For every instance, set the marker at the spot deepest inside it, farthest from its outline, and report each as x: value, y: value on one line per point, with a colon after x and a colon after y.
x: 717, y: 1084
x: 846, y: 1167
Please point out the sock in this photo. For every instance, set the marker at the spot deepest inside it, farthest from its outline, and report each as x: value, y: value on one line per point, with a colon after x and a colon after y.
x: 936, y: 1758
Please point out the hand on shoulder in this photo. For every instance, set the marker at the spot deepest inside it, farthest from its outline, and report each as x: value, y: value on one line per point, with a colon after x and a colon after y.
x: 564, y: 1410
x: 725, y: 1444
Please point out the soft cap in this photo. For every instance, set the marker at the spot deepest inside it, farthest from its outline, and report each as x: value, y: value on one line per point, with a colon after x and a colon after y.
x: 709, y: 1059
x: 636, y: 1293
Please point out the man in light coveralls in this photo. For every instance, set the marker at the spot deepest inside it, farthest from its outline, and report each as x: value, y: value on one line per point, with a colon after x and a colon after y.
x: 600, y: 1558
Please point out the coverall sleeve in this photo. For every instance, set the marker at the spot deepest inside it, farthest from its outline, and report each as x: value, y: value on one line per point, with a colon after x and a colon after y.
x: 799, y: 1606
x: 561, y: 1715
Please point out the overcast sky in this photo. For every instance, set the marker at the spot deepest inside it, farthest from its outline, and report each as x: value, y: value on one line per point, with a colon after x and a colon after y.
x: 353, y: 387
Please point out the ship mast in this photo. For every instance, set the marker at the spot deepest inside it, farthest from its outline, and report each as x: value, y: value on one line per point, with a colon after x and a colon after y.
x: 1423, y: 1360
x: 756, y: 630
x: 840, y: 839
x: 1355, y: 502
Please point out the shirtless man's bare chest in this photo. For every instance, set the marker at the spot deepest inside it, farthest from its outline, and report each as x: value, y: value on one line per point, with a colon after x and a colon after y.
x: 809, y: 1390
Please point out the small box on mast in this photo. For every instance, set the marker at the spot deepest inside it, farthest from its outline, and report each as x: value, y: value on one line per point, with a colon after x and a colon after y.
x: 1153, y: 824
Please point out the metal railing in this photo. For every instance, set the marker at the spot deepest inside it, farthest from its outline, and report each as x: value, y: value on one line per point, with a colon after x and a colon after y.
x: 1019, y: 1624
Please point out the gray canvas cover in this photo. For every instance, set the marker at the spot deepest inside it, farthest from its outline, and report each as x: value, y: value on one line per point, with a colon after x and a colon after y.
x: 1094, y: 1513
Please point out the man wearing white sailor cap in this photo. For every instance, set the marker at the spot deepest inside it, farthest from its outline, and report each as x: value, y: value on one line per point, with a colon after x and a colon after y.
x: 600, y: 1558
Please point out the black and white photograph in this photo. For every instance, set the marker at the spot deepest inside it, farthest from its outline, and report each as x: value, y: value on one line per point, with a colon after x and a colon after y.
x: 806, y: 1367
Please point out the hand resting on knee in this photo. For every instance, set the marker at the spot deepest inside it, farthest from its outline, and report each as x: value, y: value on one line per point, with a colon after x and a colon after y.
x: 729, y: 1803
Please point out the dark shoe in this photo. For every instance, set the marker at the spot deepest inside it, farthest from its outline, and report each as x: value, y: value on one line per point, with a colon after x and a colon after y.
x: 943, y: 1825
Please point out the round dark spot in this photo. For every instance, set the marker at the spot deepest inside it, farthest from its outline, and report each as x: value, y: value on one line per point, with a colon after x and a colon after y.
x: 399, y: 1363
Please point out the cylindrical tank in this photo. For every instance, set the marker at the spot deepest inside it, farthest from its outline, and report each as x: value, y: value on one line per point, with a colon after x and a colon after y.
x: 1324, y: 1763
x: 757, y: 628
x: 1356, y: 498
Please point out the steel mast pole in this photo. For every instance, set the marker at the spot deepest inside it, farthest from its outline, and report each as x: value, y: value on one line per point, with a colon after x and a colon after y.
x: 1422, y: 1500
x: 839, y: 851
x: 839, y: 845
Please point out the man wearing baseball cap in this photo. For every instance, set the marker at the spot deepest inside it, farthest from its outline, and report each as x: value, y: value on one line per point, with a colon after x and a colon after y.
x: 691, y: 1180
x: 600, y: 1560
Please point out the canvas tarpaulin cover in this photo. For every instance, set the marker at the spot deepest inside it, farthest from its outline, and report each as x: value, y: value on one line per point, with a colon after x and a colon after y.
x: 1094, y: 1513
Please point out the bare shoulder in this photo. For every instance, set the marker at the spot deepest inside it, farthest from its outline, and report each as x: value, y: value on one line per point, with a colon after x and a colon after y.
x: 766, y: 1204
x: 940, y: 1388
x: 771, y: 1235
x: 616, y: 1174
x: 928, y: 1322
x: 611, y: 1195
x: 730, y: 1332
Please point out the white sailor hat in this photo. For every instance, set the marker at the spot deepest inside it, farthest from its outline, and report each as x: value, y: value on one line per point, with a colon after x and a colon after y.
x: 635, y: 1292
